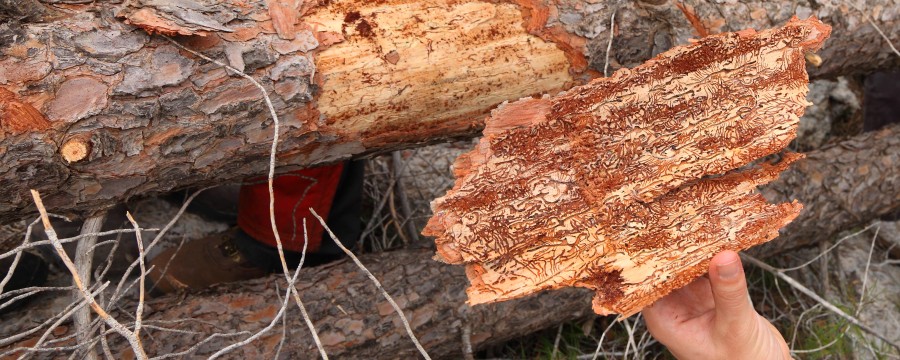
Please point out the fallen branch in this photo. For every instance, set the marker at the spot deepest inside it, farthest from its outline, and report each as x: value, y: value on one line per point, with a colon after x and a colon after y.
x: 76, y: 278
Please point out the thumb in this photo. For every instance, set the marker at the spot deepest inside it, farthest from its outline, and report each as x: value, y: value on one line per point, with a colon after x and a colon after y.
x: 734, y: 313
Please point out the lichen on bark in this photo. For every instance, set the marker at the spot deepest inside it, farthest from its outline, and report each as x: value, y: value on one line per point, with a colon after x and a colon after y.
x: 627, y: 185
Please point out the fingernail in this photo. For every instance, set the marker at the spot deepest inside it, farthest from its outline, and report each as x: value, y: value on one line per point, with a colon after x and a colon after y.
x: 729, y: 270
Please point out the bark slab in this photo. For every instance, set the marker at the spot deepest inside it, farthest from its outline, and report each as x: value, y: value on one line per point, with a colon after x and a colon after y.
x: 607, y: 186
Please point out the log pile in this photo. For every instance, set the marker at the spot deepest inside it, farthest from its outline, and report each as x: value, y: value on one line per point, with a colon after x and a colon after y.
x: 94, y: 111
x: 357, y: 322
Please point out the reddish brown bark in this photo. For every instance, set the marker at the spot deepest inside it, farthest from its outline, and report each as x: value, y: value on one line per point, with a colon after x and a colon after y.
x: 606, y: 186
x: 346, y: 78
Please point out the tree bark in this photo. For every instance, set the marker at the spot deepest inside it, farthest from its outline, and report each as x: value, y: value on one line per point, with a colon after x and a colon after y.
x: 840, y: 186
x: 94, y: 111
x: 354, y: 321
x: 24, y: 10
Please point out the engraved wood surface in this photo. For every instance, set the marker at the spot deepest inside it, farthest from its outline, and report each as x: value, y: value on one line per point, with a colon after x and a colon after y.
x: 607, y: 186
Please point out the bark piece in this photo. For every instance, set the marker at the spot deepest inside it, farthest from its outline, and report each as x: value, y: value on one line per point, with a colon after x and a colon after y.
x: 577, y: 190
x: 284, y: 17
x: 17, y: 117
x: 181, y: 17
x: 653, y: 248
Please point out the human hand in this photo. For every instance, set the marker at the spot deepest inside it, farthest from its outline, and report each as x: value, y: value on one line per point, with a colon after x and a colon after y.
x: 712, y: 318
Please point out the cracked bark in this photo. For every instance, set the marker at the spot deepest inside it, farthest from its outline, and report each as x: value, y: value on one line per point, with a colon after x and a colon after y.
x: 355, y: 79
x: 354, y: 320
x: 24, y: 10
x: 841, y: 186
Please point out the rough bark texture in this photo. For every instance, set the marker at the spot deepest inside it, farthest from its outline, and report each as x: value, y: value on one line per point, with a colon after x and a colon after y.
x: 577, y: 189
x: 354, y: 77
x: 23, y: 10
x: 841, y: 186
x: 649, y: 27
x: 352, y: 318
x: 349, y: 77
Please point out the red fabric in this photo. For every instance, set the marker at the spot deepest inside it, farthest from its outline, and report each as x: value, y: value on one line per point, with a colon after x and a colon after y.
x: 295, y: 192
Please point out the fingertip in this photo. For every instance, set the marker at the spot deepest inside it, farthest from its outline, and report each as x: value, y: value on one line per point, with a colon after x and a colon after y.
x: 725, y: 257
x: 729, y: 287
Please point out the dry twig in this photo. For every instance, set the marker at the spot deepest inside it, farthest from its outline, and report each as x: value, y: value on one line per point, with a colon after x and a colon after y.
x: 600, y: 343
x: 612, y: 28
x: 117, y: 294
x: 84, y: 256
x: 556, y: 342
x: 400, y: 189
x: 274, y: 321
x: 113, y: 323
x: 65, y: 240
x: 888, y: 40
x: 377, y: 284
x: 825, y: 303
x: 140, y: 304
x: 60, y: 318
x: 12, y: 267
x: 271, y: 176
x: 468, y: 353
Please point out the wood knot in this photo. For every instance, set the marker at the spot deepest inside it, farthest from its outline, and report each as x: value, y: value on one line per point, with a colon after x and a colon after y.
x: 813, y: 59
x: 76, y: 149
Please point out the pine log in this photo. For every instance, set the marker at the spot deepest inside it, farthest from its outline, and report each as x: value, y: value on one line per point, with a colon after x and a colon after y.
x: 841, y: 186
x: 860, y: 176
x: 347, y: 77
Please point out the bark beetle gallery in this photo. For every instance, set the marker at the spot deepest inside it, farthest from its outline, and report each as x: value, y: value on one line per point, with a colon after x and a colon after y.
x: 630, y: 184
